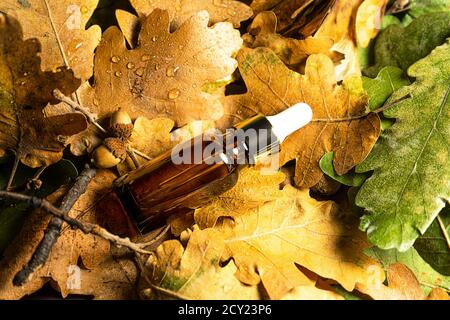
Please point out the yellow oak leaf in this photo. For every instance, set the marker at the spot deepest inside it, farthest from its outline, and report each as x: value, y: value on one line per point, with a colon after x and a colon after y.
x: 268, y: 241
x: 165, y: 75
x: 340, y: 122
x: 79, y: 263
x: 25, y: 90
x: 195, y: 272
x: 59, y: 26
x: 311, y: 293
x: 181, y: 10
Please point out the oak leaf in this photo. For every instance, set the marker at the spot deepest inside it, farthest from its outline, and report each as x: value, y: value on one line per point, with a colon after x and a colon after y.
x: 164, y: 76
x: 268, y: 241
x: 59, y: 25
x: 195, y: 272
x: 181, y: 10
x: 340, y: 122
x: 25, y: 90
x: 368, y: 21
x: 104, y: 272
x: 409, y: 185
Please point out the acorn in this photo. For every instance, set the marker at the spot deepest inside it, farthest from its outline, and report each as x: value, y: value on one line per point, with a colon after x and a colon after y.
x: 121, y: 125
x: 111, y: 153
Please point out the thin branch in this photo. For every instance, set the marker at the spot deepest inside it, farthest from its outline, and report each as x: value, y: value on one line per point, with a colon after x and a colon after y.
x: 133, y: 157
x: 77, y: 107
x: 85, y: 227
x: 53, y: 230
x: 13, y: 173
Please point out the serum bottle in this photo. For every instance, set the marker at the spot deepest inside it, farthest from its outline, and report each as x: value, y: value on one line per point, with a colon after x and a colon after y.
x: 191, y: 174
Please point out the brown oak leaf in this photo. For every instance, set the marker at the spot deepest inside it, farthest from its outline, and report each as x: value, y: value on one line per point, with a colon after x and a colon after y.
x: 181, y: 10
x: 166, y: 74
x: 59, y: 25
x: 25, y: 90
x: 340, y: 122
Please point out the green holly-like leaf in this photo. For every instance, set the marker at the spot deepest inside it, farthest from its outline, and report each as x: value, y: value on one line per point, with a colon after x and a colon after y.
x: 389, y: 80
x: 428, y: 278
x: 401, y: 47
x: 411, y: 161
x: 433, y: 246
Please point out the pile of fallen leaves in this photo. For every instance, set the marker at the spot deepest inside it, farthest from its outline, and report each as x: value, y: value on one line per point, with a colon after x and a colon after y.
x: 360, y: 209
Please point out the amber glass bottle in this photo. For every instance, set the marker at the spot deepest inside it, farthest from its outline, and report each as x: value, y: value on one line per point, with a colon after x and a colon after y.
x: 163, y: 187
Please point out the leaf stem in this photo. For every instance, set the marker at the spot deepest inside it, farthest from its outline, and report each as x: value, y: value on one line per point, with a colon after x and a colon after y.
x: 13, y: 173
x: 444, y: 230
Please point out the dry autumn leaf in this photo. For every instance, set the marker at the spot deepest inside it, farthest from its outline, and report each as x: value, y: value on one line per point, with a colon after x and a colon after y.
x: 267, y: 241
x: 195, y: 272
x: 60, y: 28
x: 262, y: 33
x: 368, y: 21
x: 402, y: 285
x: 296, y: 18
x: 102, y: 274
x: 24, y: 91
x: 340, y: 122
x: 166, y: 74
x: 181, y: 10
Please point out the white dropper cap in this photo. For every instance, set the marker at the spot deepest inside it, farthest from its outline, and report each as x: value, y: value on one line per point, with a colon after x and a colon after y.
x: 290, y: 120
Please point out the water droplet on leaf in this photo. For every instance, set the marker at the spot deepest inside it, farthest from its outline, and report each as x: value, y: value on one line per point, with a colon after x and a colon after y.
x: 174, y: 94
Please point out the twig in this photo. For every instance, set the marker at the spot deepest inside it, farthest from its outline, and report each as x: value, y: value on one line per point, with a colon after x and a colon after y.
x: 85, y: 227
x: 53, y: 230
x: 13, y: 173
x: 77, y: 107
x: 133, y: 157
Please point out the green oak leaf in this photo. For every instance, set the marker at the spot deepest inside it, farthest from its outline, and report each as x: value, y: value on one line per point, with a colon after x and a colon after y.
x: 401, y: 47
x: 351, y: 179
x: 419, y: 8
x: 389, y: 80
x: 411, y: 161
x: 433, y: 246
x: 427, y: 276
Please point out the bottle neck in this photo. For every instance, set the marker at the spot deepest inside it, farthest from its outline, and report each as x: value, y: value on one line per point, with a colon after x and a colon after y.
x: 257, y: 137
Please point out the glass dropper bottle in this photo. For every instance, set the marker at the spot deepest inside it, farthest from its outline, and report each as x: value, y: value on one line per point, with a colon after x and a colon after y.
x: 191, y: 174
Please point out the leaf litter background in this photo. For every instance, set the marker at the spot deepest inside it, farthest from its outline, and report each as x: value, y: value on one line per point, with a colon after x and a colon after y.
x: 359, y: 208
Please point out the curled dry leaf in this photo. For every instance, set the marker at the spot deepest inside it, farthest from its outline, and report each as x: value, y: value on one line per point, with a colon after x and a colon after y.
x: 296, y: 18
x: 267, y: 241
x: 24, y: 91
x: 181, y: 10
x: 59, y: 25
x: 338, y: 125
x: 368, y: 21
x: 262, y: 33
x: 79, y: 263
